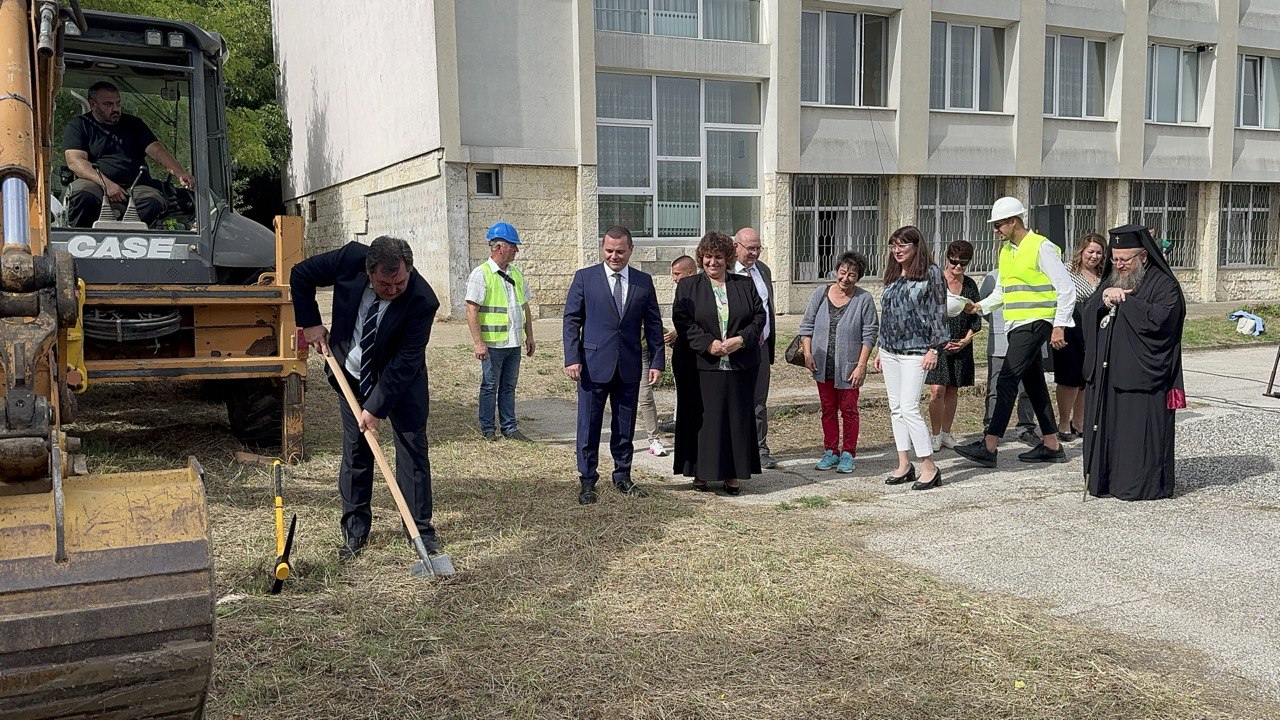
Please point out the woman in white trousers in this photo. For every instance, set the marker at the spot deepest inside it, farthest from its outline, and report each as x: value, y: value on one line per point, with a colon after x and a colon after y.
x: 912, y: 327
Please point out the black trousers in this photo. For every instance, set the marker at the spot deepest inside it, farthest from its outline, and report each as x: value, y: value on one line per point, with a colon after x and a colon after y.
x: 355, y: 478
x: 761, y: 400
x: 1022, y: 364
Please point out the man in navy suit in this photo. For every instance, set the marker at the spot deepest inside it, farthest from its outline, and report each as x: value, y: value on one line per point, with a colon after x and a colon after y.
x: 382, y: 316
x: 608, y: 307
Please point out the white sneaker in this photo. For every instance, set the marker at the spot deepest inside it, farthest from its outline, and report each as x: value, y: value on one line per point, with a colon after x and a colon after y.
x: 657, y: 448
x: 936, y: 441
x: 947, y: 440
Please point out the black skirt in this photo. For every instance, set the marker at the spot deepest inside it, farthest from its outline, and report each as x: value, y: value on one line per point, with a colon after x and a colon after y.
x: 718, y: 441
x: 1068, y: 363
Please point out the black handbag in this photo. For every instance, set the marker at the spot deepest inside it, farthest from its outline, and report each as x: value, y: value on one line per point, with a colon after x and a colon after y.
x: 794, y: 353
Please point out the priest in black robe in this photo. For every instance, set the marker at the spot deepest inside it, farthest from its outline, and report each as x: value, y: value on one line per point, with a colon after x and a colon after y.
x: 1133, y: 371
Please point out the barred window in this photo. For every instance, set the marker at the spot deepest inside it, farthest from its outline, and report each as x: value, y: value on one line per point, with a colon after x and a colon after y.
x: 1168, y: 208
x: 957, y: 208
x: 1080, y: 197
x: 831, y: 214
x: 1247, y: 233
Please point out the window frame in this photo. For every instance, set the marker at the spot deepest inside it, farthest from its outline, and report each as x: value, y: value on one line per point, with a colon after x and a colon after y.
x: 702, y: 29
x: 1086, y: 65
x: 497, y: 182
x: 1076, y: 208
x: 1252, y: 243
x: 1268, y: 66
x: 1153, y: 84
x: 704, y: 127
x: 871, y: 245
x: 859, y: 68
x: 977, y: 67
x: 984, y: 245
x: 1185, y: 252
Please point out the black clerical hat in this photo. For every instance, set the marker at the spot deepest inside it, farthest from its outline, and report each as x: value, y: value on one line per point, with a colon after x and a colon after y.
x: 1134, y: 237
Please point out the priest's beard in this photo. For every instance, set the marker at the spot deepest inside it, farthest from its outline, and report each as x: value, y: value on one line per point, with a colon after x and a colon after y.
x: 1130, y: 281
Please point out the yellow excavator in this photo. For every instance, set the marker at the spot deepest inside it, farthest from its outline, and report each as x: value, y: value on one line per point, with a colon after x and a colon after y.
x: 106, y: 581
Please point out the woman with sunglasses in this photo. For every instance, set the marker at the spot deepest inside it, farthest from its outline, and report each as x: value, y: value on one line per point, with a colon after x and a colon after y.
x: 913, y: 326
x: 955, y: 365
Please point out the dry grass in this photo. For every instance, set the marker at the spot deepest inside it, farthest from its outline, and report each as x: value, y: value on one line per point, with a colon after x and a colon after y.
x: 678, y: 606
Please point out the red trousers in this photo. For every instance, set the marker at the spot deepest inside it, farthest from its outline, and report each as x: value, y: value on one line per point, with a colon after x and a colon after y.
x: 844, y: 402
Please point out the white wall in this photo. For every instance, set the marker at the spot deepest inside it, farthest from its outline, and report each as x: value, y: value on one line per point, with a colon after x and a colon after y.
x: 359, y: 84
x: 517, y: 72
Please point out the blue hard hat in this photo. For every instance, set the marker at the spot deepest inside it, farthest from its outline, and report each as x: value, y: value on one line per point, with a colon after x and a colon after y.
x: 503, y: 231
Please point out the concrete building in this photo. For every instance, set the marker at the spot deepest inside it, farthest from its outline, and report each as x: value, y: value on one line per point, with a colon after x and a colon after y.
x: 826, y: 124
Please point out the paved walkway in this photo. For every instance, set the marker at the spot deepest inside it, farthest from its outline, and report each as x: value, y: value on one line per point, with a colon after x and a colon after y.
x: 1202, y: 568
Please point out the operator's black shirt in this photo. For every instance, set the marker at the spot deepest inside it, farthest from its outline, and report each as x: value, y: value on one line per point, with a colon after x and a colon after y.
x: 118, y: 150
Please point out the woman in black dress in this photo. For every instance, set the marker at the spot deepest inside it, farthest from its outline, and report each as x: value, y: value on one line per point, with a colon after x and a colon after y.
x: 716, y: 315
x: 955, y: 365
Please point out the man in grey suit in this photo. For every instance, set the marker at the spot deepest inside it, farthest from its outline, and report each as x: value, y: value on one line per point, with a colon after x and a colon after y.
x: 747, y: 244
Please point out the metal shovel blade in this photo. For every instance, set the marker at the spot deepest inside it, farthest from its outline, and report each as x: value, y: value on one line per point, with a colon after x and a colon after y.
x: 431, y: 565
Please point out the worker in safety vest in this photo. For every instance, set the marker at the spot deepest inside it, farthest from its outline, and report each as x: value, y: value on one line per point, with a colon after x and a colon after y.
x: 1038, y: 297
x: 501, y: 324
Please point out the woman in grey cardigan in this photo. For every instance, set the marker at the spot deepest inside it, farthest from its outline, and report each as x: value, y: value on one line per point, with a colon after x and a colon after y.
x: 838, y: 333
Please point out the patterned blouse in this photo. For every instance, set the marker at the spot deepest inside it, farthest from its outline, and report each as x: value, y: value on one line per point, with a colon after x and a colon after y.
x: 722, y: 312
x: 913, y: 315
x: 1084, y: 289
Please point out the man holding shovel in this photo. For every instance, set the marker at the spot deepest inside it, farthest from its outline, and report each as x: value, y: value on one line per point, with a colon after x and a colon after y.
x: 382, y: 316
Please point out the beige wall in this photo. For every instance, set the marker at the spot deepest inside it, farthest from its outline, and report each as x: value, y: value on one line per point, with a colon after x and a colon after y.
x: 542, y: 204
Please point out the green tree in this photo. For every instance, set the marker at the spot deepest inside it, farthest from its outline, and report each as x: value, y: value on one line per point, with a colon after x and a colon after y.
x: 258, y: 132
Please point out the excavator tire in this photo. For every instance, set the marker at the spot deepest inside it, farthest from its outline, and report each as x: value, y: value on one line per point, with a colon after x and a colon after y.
x: 255, y: 410
x: 116, y: 619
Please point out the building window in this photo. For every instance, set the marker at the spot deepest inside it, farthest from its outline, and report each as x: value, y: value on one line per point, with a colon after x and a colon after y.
x: 957, y: 208
x: 1258, y: 97
x: 966, y: 67
x: 1173, y: 84
x: 311, y: 210
x: 1074, y: 72
x: 1079, y: 197
x: 843, y: 58
x: 831, y: 214
x: 737, y: 20
x: 1168, y: 208
x: 677, y: 155
x: 1247, y: 233
x: 487, y: 182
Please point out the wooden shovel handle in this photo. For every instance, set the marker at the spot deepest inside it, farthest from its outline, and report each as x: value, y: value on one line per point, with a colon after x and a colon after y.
x: 372, y: 438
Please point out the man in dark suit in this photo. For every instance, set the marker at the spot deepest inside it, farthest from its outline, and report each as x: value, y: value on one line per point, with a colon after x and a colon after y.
x: 382, y: 316
x: 747, y: 245
x: 608, y: 307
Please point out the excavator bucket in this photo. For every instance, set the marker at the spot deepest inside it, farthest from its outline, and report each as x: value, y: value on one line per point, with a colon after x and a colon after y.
x: 106, y: 609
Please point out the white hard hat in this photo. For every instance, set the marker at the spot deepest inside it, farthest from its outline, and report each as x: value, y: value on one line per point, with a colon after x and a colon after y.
x: 1007, y: 207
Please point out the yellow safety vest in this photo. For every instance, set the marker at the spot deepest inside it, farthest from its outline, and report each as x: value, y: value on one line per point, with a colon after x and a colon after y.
x: 1028, y: 293
x: 494, y: 319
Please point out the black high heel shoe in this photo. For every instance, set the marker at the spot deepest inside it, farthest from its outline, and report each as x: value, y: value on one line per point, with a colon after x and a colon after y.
x: 909, y: 477
x: 734, y: 490
x: 935, y: 482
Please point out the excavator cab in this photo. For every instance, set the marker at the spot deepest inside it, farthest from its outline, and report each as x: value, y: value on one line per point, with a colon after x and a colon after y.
x: 106, y: 580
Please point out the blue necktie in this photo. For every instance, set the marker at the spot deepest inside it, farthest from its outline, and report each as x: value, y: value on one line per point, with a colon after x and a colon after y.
x: 368, y: 334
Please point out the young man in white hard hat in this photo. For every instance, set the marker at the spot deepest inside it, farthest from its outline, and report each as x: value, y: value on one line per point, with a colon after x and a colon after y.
x: 1038, y: 297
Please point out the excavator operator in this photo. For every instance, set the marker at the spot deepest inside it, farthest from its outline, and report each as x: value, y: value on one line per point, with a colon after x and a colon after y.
x: 107, y: 149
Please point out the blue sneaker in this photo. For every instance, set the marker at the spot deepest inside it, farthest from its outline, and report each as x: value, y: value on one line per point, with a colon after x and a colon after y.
x: 828, y: 461
x: 846, y: 463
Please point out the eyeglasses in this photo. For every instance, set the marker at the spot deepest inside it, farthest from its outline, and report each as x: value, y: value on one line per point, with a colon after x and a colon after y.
x: 1001, y: 223
x: 900, y: 245
x: 958, y: 263
x: 750, y: 248
x: 1125, y: 260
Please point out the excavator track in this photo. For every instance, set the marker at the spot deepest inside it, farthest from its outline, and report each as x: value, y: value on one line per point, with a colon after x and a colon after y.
x: 123, y: 627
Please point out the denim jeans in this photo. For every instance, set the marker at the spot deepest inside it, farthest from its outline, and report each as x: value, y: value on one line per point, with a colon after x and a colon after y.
x: 499, y: 374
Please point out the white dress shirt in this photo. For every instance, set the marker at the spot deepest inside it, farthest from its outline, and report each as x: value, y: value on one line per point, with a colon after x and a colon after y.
x: 762, y: 287
x: 354, y: 353
x: 476, y: 291
x: 625, y: 280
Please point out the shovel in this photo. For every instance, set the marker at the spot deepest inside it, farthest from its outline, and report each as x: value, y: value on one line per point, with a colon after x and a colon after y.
x: 429, y: 565
x: 284, y: 543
